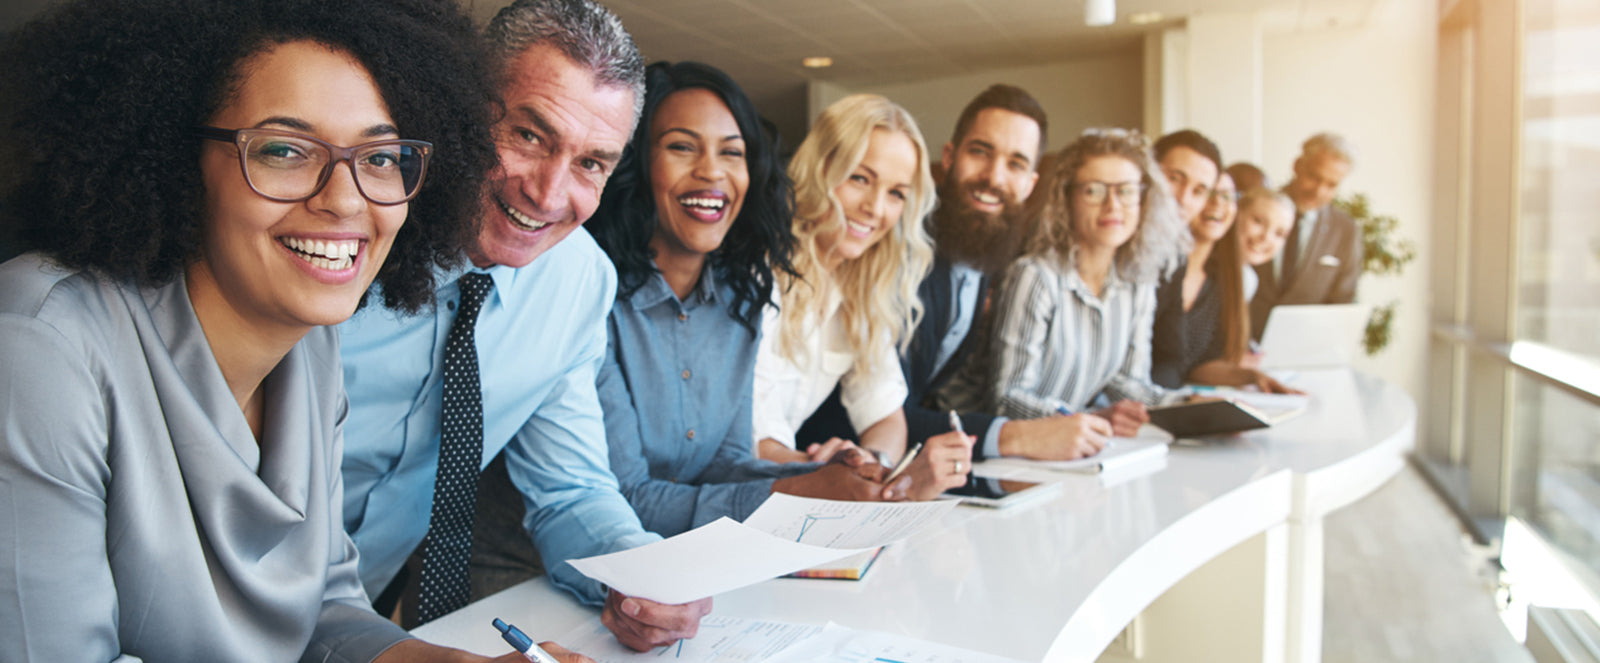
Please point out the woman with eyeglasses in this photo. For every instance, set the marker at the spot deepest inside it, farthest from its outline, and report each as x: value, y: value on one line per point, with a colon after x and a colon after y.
x: 1216, y: 319
x: 1072, y: 321
x: 1202, y: 326
x: 204, y: 186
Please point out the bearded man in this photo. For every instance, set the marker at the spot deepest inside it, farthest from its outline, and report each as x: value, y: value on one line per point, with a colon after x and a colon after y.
x: 987, y: 171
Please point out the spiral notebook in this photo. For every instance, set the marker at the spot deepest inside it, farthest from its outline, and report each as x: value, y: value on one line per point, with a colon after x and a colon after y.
x: 853, y: 567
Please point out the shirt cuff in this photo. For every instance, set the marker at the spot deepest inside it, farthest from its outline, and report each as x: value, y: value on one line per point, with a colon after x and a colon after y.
x: 990, y: 447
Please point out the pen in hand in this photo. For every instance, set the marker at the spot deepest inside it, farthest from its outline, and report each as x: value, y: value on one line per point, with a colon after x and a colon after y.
x: 522, y: 643
x: 905, y: 462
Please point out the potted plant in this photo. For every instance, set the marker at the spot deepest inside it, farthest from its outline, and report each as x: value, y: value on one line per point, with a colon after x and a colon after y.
x: 1383, y: 253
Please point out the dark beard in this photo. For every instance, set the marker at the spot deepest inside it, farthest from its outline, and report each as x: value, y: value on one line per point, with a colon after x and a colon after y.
x: 987, y: 242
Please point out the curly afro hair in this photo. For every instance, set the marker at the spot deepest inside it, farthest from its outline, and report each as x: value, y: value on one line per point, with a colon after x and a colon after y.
x: 98, y: 99
x: 758, y: 243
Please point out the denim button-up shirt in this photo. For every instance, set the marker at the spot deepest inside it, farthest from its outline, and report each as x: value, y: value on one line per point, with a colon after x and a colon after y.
x: 676, y: 390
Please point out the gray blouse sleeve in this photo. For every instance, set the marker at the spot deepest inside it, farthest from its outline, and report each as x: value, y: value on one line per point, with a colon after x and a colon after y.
x: 347, y: 628
x: 53, y: 475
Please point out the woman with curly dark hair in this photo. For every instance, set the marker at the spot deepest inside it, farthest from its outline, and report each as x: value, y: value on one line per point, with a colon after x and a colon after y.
x: 203, y: 185
x: 696, y: 220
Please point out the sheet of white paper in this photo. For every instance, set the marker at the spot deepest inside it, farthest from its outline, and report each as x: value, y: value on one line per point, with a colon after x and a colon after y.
x: 708, y: 560
x: 836, y: 524
x: 1276, y: 406
x: 721, y: 640
x: 837, y: 644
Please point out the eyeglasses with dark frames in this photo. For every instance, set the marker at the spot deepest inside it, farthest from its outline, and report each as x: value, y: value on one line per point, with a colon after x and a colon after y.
x: 1095, y: 192
x: 1230, y: 195
x: 289, y: 167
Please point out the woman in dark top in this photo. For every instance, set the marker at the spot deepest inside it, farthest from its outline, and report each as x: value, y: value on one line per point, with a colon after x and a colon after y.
x: 1215, y: 319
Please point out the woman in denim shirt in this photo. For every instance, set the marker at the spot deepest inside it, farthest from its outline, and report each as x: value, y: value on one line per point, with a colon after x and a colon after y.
x: 696, y: 220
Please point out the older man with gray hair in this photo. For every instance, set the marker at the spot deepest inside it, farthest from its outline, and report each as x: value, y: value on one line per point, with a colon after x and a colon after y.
x: 1321, y: 261
x: 503, y: 370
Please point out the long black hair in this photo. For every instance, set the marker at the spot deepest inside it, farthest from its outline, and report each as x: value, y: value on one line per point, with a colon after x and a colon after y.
x: 98, y: 99
x: 757, y: 244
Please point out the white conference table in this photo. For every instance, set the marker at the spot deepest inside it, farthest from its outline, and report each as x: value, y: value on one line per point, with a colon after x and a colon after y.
x: 1217, y: 556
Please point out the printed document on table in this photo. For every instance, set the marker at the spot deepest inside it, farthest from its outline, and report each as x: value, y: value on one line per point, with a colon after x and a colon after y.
x: 794, y: 533
x: 836, y: 524
x: 716, y: 557
x: 721, y: 640
x: 837, y: 644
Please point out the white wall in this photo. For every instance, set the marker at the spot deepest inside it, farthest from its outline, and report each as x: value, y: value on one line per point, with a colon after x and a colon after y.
x: 1105, y: 91
x: 1374, y: 84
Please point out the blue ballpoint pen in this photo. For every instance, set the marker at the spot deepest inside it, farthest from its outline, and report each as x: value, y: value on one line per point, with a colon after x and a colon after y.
x: 522, y: 643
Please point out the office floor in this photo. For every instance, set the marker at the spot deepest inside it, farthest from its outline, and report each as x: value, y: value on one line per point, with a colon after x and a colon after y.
x: 1403, y: 584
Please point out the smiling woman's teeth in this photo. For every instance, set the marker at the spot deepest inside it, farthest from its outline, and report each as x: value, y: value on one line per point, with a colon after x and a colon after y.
x: 708, y: 203
x: 860, y: 229
x: 521, y: 219
x: 332, y: 254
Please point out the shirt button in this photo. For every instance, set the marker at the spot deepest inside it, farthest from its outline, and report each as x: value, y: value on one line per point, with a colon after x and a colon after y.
x: 691, y: 433
x: 683, y: 316
x: 685, y: 373
x: 450, y: 305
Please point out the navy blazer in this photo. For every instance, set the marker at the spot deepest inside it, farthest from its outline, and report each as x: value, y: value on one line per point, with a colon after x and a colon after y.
x: 917, y: 363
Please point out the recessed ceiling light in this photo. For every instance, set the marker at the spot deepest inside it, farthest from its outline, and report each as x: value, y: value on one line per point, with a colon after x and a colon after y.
x: 1099, y: 12
x: 1144, y: 18
x: 817, y: 62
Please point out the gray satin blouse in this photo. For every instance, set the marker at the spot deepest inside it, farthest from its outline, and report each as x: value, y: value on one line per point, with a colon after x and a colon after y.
x: 140, y: 519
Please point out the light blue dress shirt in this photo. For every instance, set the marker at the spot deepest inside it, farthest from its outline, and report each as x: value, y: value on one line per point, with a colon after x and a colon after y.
x: 541, y: 341
x: 676, y: 389
x: 966, y: 282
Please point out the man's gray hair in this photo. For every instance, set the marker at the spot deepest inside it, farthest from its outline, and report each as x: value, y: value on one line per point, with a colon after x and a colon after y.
x: 1329, y: 143
x: 581, y: 29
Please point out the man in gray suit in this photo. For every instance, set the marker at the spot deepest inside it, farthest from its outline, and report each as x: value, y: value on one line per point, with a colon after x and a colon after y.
x: 1321, y: 260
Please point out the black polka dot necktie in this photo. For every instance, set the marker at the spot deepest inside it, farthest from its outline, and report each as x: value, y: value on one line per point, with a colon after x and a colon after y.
x: 448, y: 547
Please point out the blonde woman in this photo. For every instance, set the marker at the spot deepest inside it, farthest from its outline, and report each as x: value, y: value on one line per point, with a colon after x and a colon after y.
x: 861, y: 187
x: 1074, y: 316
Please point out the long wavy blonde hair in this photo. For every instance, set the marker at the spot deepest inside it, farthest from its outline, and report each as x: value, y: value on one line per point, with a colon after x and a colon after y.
x: 878, y: 290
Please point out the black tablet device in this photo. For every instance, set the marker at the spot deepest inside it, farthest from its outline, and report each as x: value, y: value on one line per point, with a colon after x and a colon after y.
x: 999, y: 493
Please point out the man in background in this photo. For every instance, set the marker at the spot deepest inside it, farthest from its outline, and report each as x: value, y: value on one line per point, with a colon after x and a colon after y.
x: 1321, y: 261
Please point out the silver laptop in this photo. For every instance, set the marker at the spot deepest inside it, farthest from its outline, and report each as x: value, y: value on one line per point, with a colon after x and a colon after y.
x: 1313, y: 336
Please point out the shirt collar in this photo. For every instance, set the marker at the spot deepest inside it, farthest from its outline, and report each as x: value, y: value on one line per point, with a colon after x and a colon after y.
x: 655, y: 291
x: 504, y: 277
x: 1081, y: 289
